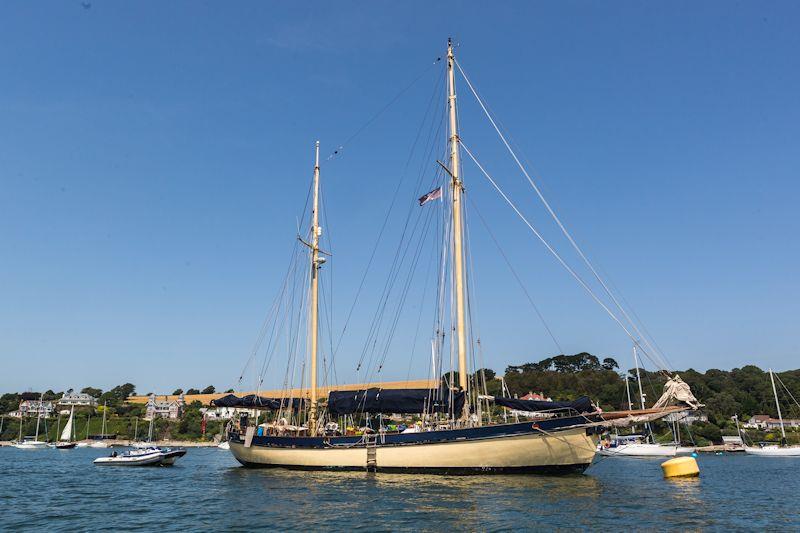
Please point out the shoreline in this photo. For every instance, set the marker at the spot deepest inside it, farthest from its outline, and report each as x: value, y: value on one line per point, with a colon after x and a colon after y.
x: 124, y: 443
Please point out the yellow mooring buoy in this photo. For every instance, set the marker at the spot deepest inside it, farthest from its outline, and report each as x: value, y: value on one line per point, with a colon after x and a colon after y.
x: 681, y: 467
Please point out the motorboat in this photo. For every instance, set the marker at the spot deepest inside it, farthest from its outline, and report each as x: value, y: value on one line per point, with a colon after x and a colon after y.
x: 99, y: 444
x: 150, y: 457
x: 224, y: 445
x: 169, y: 456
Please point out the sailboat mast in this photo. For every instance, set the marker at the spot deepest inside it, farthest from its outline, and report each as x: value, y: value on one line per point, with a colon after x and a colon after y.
x: 638, y: 376
x: 628, y: 390
x: 641, y: 392
x: 316, y: 231
x: 458, y: 230
x: 777, y: 404
x: 41, y: 400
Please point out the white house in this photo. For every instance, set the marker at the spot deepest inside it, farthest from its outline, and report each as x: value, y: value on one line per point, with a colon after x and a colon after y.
x: 226, y: 413
x: 77, y: 399
x: 767, y: 422
x: 686, y: 418
x: 36, y: 408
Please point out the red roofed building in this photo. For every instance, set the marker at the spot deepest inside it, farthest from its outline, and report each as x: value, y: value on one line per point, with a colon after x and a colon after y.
x: 536, y: 396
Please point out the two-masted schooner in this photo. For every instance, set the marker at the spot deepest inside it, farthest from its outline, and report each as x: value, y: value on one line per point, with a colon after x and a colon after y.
x: 454, y: 431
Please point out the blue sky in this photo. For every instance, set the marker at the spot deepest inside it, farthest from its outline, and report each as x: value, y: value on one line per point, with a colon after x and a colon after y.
x: 154, y: 158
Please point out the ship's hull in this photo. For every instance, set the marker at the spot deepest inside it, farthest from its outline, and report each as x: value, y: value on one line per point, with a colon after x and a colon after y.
x: 565, y: 451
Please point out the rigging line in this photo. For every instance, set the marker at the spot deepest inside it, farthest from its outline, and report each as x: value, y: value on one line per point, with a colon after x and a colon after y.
x: 516, y: 276
x: 374, y: 117
x: 397, y: 263
x: 552, y: 213
x: 655, y: 347
x: 405, y: 290
x: 556, y: 254
x: 387, y: 337
x: 424, y: 293
x: 384, y: 225
x: 786, y: 388
x: 264, y: 325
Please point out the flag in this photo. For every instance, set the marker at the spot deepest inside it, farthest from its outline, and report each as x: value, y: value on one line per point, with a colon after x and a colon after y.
x: 433, y: 195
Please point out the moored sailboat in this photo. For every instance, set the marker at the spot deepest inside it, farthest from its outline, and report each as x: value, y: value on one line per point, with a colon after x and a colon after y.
x: 768, y: 449
x: 454, y: 431
x: 67, y: 438
x: 31, y: 443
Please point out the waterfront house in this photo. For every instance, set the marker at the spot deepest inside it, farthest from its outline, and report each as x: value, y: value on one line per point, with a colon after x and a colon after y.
x: 766, y: 422
x: 686, y: 418
x: 226, y: 413
x: 536, y: 396
x: 28, y: 408
x: 77, y: 399
x: 166, y: 408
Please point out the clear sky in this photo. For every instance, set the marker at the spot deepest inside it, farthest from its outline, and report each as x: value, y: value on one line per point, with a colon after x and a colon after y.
x: 154, y: 157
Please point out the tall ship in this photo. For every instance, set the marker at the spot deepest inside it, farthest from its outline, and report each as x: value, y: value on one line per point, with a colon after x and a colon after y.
x: 451, y: 424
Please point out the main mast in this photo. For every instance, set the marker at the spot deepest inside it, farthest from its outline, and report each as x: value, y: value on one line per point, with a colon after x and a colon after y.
x: 316, y: 231
x: 777, y: 404
x: 458, y: 230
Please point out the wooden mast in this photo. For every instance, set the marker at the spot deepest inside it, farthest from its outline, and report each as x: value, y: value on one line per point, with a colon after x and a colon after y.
x: 457, y: 188
x: 316, y: 231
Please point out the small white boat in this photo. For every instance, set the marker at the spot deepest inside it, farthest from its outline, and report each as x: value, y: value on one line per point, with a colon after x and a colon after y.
x: 773, y: 450
x: 685, y: 450
x: 82, y: 445
x: 99, y: 444
x: 131, y: 458
x: 634, y: 446
x: 31, y: 444
x: 145, y: 457
x: 224, y: 445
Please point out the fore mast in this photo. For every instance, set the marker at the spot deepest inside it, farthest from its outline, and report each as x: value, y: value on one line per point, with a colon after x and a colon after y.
x: 457, y: 189
x: 316, y: 262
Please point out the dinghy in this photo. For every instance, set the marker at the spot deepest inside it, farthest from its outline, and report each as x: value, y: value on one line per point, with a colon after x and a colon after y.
x: 152, y: 457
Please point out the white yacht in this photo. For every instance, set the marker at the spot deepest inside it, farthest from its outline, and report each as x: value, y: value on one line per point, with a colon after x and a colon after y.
x: 768, y: 449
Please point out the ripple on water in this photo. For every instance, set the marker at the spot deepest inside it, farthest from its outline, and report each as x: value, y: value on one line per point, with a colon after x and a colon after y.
x: 207, y: 489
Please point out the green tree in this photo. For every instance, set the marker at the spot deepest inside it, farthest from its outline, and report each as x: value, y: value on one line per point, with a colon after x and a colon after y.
x: 91, y: 391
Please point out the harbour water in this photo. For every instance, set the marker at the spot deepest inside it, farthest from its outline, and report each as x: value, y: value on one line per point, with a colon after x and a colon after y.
x: 63, y: 490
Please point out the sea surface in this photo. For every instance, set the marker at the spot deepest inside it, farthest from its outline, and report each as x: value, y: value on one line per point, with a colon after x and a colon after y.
x: 207, y: 490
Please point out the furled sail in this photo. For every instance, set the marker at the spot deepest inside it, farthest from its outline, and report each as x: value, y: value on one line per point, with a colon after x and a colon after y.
x: 678, y: 390
x: 66, y: 435
x: 251, y: 401
x: 376, y: 400
x: 581, y: 405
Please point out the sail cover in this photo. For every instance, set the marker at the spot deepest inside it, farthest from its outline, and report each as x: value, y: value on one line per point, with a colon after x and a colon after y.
x: 581, y: 405
x: 251, y: 401
x: 376, y: 400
